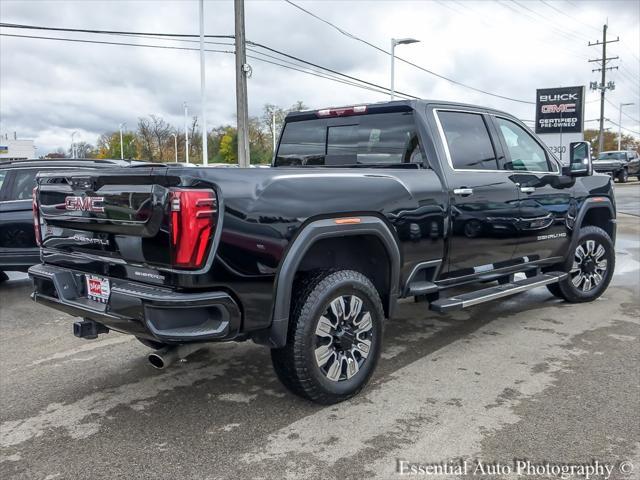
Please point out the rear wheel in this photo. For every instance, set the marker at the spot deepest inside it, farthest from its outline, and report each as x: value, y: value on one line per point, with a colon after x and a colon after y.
x: 3, y: 277
x: 591, y: 269
x: 334, y: 338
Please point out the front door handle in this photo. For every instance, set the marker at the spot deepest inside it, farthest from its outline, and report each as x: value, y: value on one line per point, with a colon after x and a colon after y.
x: 527, y: 189
x: 463, y: 191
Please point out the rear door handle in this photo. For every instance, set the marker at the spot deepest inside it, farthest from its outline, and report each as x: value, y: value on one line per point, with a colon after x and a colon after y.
x: 463, y: 191
x: 527, y: 189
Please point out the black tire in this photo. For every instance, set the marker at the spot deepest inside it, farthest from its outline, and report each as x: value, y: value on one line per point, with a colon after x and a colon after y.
x: 151, y: 343
x: 623, y: 176
x: 317, y: 296
x: 554, y: 289
x: 3, y: 277
x: 587, y: 280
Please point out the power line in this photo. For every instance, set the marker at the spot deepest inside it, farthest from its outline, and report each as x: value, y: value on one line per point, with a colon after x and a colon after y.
x: 617, y: 107
x: 109, y: 32
x: 466, y: 10
x: 185, y: 38
x: 572, y: 17
x: 376, y: 47
x: 524, y: 11
x: 371, y: 87
x: 620, y: 126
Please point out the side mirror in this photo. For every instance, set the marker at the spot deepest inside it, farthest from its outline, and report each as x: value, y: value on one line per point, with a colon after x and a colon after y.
x: 580, y: 159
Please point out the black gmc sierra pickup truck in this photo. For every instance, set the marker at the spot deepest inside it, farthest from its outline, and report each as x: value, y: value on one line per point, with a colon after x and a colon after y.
x: 362, y: 206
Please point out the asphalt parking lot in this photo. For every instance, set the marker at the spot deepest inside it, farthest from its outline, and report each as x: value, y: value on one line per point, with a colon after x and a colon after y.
x: 528, y: 378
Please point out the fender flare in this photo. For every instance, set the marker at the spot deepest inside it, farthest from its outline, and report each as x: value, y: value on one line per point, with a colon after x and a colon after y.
x: 591, y: 203
x: 319, y: 230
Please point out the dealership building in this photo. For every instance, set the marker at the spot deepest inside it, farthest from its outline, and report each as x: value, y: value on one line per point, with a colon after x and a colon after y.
x: 14, y: 149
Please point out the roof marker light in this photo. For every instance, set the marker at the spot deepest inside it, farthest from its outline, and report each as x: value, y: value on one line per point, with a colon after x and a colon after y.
x: 342, y: 112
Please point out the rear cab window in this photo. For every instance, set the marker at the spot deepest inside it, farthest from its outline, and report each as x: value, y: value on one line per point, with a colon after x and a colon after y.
x: 371, y: 139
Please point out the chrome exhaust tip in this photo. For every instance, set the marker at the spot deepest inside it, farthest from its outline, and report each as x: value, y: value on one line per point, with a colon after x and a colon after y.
x: 167, y: 356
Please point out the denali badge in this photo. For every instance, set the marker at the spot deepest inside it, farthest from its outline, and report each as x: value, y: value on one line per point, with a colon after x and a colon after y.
x: 96, y: 241
x: 84, y: 204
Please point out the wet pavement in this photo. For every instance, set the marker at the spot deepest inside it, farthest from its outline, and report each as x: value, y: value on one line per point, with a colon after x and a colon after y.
x: 530, y: 377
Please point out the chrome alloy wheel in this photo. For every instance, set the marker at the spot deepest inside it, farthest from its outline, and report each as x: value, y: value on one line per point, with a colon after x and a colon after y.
x: 343, y: 338
x: 589, y: 266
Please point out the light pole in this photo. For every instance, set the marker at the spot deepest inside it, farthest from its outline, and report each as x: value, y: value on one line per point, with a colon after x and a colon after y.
x: 273, y: 128
x: 186, y: 133
x: 175, y: 144
x: 73, y: 148
x: 203, y: 98
x: 620, y: 123
x: 122, y: 125
x: 394, y: 42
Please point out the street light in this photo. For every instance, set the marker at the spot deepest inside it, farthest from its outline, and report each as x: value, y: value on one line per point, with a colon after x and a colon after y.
x: 186, y: 133
x: 175, y: 144
x: 73, y: 148
x: 122, y: 125
x: 394, y: 42
x: 620, y: 123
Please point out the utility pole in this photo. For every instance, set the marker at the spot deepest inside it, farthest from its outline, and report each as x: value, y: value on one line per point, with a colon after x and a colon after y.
x: 186, y: 133
x: 242, y: 69
x: 603, y: 86
x: 203, y: 97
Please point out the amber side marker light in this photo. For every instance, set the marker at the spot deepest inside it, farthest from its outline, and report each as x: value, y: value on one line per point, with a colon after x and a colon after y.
x: 347, y: 221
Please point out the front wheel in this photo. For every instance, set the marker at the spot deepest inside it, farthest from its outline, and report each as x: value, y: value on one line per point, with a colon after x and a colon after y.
x: 334, y: 338
x: 591, y: 268
x: 623, y: 176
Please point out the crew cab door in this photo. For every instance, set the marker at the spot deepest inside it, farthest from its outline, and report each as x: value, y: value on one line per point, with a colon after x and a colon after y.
x: 483, y: 199
x: 544, y: 200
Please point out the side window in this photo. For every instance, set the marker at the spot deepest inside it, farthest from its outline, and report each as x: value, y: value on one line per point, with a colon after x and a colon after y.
x: 526, y: 154
x: 3, y: 176
x: 22, y: 186
x: 468, y: 141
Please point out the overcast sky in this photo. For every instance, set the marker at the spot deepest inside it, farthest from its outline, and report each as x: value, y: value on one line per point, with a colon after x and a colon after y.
x: 48, y: 88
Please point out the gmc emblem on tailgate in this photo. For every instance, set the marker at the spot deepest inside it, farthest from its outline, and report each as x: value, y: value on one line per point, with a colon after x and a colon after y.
x: 84, y: 204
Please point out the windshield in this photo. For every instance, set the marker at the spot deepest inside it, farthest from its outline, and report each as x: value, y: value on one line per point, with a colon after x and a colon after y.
x: 611, y: 156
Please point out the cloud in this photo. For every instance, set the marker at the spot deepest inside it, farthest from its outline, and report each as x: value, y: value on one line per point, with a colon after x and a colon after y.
x: 49, y: 89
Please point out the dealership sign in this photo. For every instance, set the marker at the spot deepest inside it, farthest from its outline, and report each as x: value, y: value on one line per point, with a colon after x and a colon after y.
x: 559, y: 110
x: 560, y: 118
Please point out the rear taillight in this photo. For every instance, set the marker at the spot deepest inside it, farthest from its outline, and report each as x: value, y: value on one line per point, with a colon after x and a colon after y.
x: 36, y: 216
x: 193, y: 221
